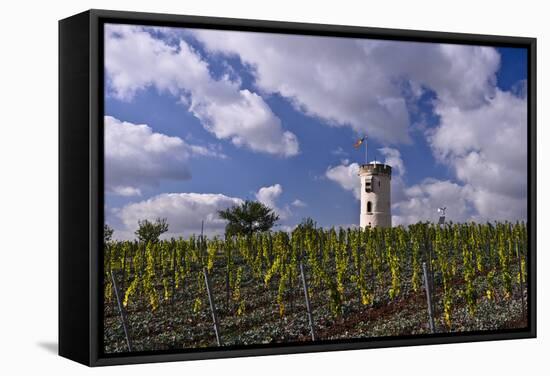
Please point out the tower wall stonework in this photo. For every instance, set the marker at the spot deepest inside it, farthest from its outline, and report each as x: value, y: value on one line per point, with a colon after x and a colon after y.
x: 375, y: 195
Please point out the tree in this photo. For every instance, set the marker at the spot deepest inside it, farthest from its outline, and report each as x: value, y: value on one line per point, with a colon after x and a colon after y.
x: 107, y: 233
x: 307, y: 224
x: 248, y: 218
x: 151, y: 231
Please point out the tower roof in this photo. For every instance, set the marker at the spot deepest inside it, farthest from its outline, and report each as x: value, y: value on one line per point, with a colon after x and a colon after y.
x: 375, y: 169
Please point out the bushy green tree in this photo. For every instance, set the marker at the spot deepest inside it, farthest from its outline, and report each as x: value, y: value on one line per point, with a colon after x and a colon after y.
x: 151, y: 231
x: 248, y: 218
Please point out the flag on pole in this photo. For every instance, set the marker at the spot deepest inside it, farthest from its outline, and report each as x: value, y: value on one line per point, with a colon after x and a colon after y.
x: 359, y: 142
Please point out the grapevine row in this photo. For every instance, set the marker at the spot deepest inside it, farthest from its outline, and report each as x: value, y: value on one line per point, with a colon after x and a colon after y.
x: 341, y: 264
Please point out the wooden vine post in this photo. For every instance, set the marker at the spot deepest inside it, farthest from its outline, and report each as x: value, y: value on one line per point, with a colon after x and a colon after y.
x: 428, y: 297
x: 122, y: 313
x: 518, y: 255
x: 308, y: 304
x: 174, y: 253
x: 209, y: 292
x: 212, y: 306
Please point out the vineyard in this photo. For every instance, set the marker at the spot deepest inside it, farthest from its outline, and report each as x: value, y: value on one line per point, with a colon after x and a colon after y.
x: 314, y: 284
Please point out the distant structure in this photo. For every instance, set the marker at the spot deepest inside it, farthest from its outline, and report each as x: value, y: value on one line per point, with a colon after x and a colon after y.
x: 441, y: 212
x: 375, y: 195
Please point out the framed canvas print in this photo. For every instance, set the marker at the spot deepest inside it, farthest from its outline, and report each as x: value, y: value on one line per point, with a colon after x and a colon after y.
x: 238, y: 187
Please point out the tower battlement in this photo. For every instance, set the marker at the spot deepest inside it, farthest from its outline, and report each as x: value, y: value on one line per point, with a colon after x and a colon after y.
x: 375, y: 169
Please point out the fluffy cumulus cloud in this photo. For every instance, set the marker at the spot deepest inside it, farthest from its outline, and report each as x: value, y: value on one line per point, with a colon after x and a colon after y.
x: 360, y: 83
x: 346, y: 176
x: 183, y: 211
x: 486, y: 149
x: 393, y: 158
x: 422, y: 200
x: 462, y: 75
x: 269, y: 195
x: 136, y: 156
x: 314, y: 74
x: 136, y: 60
x: 186, y: 211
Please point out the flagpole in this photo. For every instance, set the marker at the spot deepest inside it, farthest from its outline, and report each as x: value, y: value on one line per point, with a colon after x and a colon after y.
x: 366, y: 152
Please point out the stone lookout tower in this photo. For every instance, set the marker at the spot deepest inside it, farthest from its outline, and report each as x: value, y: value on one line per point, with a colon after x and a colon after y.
x: 375, y: 195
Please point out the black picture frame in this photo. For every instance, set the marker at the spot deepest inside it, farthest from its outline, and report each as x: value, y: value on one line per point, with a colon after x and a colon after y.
x: 81, y: 183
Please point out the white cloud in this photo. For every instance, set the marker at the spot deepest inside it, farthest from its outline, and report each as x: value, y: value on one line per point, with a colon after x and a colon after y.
x: 360, y: 83
x: 184, y: 213
x: 459, y: 74
x: 393, y: 158
x: 135, y: 156
x: 347, y: 176
x: 464, y: 203
x: 493, y: 206
x: 298, y: 203
x: 136, y: 60
x: 487, y: 149
x: 327, y: 78
x: 269, y: 195
x: 126, y: 191
x: 422, y: 200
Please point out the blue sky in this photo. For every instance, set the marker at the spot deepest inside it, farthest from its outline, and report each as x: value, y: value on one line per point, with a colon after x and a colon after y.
x: 232, y: 116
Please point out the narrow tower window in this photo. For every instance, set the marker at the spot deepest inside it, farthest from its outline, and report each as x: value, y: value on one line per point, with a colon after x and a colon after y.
x: 368, y: 184
x: 369, y: 207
